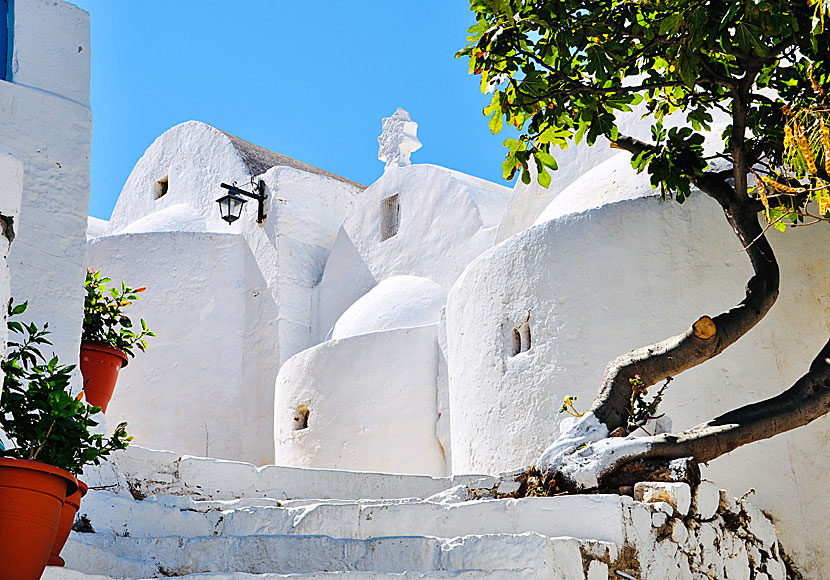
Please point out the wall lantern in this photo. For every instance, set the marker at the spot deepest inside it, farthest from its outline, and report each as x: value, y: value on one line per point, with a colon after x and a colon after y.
x: 230, y: 204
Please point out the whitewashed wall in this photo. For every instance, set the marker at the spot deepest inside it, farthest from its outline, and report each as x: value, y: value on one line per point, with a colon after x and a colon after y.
x: 371, y: 400
x: 599, y: 283
x: 45, y: 118
x: 11, y: 191
x: 237, y: 299
x: 290, y: 248
x: 205, y: 384
x: 447, y: 218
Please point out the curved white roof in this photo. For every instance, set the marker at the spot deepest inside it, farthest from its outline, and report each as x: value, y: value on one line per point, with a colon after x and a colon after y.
x: 397, y: 302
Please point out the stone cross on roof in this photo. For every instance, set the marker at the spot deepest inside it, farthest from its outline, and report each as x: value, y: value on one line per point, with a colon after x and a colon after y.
x: 398, y: 139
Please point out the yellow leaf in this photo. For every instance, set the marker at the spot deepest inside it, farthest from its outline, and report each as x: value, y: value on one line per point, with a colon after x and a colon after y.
x: 780, y: 186
x: 804, y: 147
x: 762, y: 191
x: 823, y: 197
x: 825, y: 143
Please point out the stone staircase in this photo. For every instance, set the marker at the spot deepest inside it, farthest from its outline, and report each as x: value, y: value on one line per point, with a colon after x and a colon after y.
x: 160, y: 515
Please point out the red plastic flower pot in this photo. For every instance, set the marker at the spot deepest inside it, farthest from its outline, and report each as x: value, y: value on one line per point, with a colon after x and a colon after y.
x: 99, y: 366
x: 70, y: 508
x: 32, y: 495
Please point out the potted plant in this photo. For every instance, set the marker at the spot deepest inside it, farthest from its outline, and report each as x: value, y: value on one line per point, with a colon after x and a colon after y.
x: 108, y: 337
x: 48, y: 442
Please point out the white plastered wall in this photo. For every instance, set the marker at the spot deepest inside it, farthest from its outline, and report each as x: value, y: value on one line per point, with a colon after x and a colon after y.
x: 304, y: 211
x: 45, y: 118
x: 205, y: 384
x: 599, y: 283
x: 258, y: 307
x: 11, y: 191
x: 447, y: 218
x: 371, y: 403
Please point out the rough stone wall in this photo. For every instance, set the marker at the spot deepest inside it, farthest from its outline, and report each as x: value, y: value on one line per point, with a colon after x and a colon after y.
x: 45, y: 117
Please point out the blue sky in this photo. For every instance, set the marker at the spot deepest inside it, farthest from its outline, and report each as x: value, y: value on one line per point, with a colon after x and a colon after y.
x: 311, y: 80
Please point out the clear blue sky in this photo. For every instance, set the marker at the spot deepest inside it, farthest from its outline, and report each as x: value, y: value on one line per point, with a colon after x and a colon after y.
x: 310, y: 80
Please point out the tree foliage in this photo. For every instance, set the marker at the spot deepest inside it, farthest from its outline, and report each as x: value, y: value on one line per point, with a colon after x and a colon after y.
x: 560, y: 71
x: 564, y: 71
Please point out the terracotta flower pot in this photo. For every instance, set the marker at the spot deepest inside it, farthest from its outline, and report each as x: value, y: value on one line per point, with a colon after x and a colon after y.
x: 70, y: 508
x: 31, y: 499
x: 99, y: 366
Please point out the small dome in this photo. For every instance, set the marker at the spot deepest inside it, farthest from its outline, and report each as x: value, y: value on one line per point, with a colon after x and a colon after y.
x: 176, y: 218
x: 611, y: 181
x: 397, y: 302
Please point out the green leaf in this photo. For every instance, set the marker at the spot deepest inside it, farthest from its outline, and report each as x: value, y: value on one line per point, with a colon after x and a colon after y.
x: 496, y: 123
x: 670, y: 23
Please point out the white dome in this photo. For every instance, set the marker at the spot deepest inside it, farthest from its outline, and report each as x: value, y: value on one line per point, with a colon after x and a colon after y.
x: 611, y: 181
x: 176, y: 218
x: 396, y: 302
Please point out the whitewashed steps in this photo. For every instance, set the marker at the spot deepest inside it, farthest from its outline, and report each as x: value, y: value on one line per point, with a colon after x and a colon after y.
x: 150, y: 472
x: 558, y: 558
x: 601, y: 517
x: 524, y: 574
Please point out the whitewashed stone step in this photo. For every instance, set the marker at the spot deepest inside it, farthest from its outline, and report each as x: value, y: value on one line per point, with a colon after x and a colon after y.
x: 119, y: 557
x: 523, y: 574
x: 601, y: 517
x: 148, y: 472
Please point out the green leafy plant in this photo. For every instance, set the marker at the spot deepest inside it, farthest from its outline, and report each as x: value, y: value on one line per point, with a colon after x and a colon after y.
x: 641, y: 410
x: 569, y: 408
x: 104, y: 318
x: 38, y: 413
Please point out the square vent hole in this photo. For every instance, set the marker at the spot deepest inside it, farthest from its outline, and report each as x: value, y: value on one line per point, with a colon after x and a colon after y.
x: 301, y: 418
x: 390, y: 217
x: 160, y: 187
x: 520, y: 338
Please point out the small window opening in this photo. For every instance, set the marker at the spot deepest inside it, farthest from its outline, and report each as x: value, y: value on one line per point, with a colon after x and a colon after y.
x: 390, y: 217
x: 520, y: 338
x: 161, y: 186
x: 301, y: 418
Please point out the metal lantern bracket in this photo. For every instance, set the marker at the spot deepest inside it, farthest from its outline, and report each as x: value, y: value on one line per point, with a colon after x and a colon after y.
x: 258, y: 194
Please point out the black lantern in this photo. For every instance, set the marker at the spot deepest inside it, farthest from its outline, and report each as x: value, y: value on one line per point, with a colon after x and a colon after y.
x: 230, y: 204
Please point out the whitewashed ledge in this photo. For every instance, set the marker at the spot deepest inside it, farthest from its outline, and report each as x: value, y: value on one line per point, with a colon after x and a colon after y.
x: 146, y: 472
x: 526, y: 574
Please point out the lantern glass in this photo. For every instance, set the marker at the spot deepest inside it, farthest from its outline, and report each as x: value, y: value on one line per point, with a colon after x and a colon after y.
x: 230, y: 207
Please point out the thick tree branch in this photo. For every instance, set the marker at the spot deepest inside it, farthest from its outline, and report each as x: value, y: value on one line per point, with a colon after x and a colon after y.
x: 707, y: 337
x: 807, y: 400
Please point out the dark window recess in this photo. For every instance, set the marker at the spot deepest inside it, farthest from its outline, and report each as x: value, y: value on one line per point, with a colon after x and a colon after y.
x: 520, y: 338
x: 160, y: 187
x: 301, y: 418
x: 4, y: 39
x: 390, y: 217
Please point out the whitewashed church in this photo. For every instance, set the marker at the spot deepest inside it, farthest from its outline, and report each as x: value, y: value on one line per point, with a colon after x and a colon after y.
x: 340, y: 374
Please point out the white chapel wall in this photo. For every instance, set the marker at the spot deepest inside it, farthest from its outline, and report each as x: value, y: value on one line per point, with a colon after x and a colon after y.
x: 45, y: 117
x: 445, y: 219
x: 11, y: 192
x: 369, y: 402
x: 596, y: 284
x: 231, y: 302
x: 204, y: 386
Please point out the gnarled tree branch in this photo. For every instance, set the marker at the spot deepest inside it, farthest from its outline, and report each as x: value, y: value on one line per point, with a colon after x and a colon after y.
x: 806, y: 400
x: 707, y: 337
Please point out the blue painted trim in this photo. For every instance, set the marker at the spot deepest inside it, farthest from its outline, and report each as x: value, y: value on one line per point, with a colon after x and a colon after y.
x: 5, y: 39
